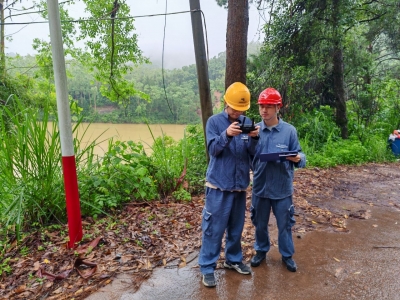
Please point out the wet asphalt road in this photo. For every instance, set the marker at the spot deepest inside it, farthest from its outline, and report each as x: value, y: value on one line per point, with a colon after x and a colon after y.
x: 363, y: 263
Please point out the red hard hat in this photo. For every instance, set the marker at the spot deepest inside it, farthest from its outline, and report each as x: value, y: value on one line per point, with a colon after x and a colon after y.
x: 270, y: 96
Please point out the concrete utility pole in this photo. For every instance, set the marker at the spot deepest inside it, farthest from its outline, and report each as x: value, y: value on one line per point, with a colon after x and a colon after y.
x: 201, y: 65
x: 65, y: 127
x: 2, y: 52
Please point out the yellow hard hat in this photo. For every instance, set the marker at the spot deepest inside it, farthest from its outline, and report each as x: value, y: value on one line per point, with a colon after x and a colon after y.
x: 237, y: 96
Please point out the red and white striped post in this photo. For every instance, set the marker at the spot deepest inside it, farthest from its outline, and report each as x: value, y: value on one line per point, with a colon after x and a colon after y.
x: 65, y: 126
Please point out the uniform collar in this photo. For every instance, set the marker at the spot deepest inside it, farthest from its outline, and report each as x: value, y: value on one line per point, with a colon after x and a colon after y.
x: 277, y: 127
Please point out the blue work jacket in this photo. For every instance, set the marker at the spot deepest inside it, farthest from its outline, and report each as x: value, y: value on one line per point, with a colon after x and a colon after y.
x: 230, y: 158
x: 274, y: 179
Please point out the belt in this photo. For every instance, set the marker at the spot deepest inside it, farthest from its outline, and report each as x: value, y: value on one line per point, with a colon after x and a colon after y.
x: 210, y: 185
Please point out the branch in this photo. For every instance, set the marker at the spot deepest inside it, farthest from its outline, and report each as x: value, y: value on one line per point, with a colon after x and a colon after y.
x: 26, y: 13
x: 25, y: 9
x: 11, y: 4
x: 392, y: 58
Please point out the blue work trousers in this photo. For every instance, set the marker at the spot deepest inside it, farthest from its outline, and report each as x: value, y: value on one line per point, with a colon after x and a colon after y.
x: 223, y: 210
x: 283, y: 210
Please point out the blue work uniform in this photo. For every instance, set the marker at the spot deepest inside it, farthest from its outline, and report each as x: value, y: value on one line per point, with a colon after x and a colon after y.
x: 273, y: 186
x: 227, y: 179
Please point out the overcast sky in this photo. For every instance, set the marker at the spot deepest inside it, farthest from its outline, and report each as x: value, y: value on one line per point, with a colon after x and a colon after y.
x: 178, y: 31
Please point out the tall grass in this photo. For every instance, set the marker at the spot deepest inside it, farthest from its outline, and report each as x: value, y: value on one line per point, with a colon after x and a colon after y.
x: 169, y: 161
x: 180, y: 164
x: 32, y: 189
x: 193, y: 145
x: 30, y: 168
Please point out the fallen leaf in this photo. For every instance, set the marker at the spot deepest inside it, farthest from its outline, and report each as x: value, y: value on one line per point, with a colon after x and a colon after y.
x: 79, y: 291
x: 148, y: 264
x: 36, y: 266
x: 44, y: 274
x: 46, y: 261
x: 90, y: 267
x: 338, y: 272
x: 89, y: 246
x: 20, y: 289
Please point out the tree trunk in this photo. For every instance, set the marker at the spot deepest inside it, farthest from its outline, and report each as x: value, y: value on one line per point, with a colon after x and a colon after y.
x: 236, y: 41
x: 338, y: 87
x: 338, y: 73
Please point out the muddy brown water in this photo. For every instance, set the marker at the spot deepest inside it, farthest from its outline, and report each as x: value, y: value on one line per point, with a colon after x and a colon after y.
x: 103, y: 132
x: 363, y: 263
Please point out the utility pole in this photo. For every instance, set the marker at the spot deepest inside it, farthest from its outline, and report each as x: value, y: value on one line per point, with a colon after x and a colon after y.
x: 65, y: 127
x: 201, y: 65
x: 2, y: 49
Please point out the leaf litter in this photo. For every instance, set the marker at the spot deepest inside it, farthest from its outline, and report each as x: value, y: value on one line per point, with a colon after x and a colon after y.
x: 161, y: 234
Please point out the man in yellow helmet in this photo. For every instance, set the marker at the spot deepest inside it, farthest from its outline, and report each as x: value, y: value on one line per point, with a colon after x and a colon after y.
x: 227, y: 179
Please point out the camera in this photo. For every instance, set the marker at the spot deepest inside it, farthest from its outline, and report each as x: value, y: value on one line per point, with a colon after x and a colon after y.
x: 247, y: 128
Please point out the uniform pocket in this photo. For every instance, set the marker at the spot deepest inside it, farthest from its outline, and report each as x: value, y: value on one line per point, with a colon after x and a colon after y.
x: 253, y: 215
x: 206, y: 224
x: 291, y: 219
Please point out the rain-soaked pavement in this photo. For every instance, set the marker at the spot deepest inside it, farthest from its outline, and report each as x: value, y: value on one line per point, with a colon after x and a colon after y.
x: 363, y: 263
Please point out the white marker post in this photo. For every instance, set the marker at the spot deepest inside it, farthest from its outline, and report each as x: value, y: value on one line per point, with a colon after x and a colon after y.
x: 65, y: 127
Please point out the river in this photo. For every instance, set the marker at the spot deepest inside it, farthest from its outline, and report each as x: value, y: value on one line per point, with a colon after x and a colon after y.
x: 126, y: 132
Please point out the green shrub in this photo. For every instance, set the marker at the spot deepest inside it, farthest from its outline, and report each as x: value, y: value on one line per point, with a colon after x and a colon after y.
x: 4, y: 266
x: 181, y: 195
x: 168, y: 161
x: 348, y: 152
x: 124, y: 174
x: 317, y: 127
x: 194, y: 147
x: 180, y: 163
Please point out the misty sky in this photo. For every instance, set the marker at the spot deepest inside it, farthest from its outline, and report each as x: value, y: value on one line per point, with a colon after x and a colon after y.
x: 178, y: 31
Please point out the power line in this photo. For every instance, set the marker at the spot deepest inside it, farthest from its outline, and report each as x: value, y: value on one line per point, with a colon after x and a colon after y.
x: 101, y: 19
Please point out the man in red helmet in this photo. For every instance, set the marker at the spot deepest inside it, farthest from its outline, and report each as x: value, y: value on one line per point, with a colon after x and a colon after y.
x: 273, y: 180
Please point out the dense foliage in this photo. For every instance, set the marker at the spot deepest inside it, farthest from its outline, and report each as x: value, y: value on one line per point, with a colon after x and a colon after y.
x: 336, y: 64
x: 320, y: 53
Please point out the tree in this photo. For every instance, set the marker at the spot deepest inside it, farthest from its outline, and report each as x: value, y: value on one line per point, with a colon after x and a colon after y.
x: 315, y: 51
x: 9, y: 86
x: 112, y: 48
x: 236, y: 40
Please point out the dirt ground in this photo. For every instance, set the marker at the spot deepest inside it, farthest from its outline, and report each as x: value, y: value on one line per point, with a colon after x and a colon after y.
x: 166, y: 235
